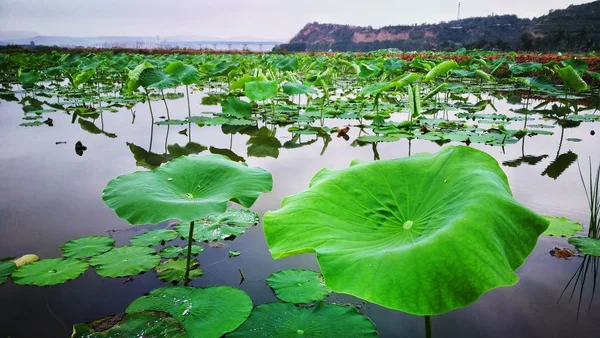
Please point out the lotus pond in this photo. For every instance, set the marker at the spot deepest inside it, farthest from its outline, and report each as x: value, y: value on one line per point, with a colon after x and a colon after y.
x: 268, y: 195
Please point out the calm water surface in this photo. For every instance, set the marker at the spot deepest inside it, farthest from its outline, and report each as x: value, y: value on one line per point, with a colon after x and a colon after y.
x: 49, y: 195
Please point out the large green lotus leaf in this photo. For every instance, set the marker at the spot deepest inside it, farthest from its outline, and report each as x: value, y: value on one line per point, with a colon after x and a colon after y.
x: 561, y: 226
x: 423, y: 235
x: 173, y: 270
x: 586, y: 245
x: 298, y: 286
x: 185, y: 189
x: 153, y: 237
x: 231, y: 223
x: 148, y: 324
x: 292, y: 88
x: 204, y: 312
x: 236, y: 107
x: 125, y: 261
x: 87, y: 246
x: 6, y: 269
x: 185, y: 73
x: 49, y: 271
x: 571, y: 78
x: 155, y: 78
x: 284, y: 320
x: 173, y: 251
x: 286, y: 64
x: 261, y: 90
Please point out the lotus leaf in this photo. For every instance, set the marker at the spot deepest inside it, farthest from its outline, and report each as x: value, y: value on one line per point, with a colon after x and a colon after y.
x: 125, y: 261
x: 154, y: 78
x: 153, y: 237
x: 292, y: 88
x: 204, y: 312
x: 298, y: 286
x: 49, y: 271
x: 173, y: 251
x: 261, y: 90
x: 143, y: 324
x: 87, y: 246
x: 231, y: 223
x: 236, y: 107
x: 586, y: 245
x: 423, y: 235
x: 283, y: 320
x: 173, y: 270
x: 561, y: 226
x: 185, y: 73
x: 185, y: 189
x: 6, y: 269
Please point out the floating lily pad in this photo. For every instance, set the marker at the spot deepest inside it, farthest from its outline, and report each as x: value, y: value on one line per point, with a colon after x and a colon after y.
x: 125, y: 261
x: 185, y: 189
x: 229, y: 224
x: 149, y: 324
x: 283, y: 320
x: 6, y: 268
x: 561, y: 226
x: 586, y: 245
x: 49, y: 271
x: 87, y: 246
x: 173, y: 251
x: 204, y: 312
x: 298, y: 286
x: 153, y: 237
x: 233, y: 253
x: 446, y: 221
x: 174, y: 270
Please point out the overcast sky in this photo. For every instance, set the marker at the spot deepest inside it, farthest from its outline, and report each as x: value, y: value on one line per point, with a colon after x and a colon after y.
x: 277, y: 19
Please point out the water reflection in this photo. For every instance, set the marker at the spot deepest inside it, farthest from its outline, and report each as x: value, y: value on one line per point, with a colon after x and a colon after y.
x: 586, y: 276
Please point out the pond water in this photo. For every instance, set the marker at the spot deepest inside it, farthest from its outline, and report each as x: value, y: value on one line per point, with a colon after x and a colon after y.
x: 50, y: 194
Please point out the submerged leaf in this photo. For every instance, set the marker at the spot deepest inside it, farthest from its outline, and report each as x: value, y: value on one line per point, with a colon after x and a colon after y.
x: 423, y: 235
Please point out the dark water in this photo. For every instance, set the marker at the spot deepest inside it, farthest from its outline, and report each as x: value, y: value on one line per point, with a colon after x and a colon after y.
x: 49, y: 195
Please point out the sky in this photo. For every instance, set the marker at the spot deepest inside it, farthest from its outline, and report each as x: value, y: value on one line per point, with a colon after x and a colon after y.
x: 279, y: 20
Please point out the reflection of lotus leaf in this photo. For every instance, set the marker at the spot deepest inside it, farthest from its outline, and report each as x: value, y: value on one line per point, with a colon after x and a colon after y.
x: 142, y: 324
x: 323, y: 320
x: 185, y: 189
x: 298, y: 286
x: 153, y: 237
x: 49, y: 271
x: 423, y: 235
x: 125, y: 261
x: 87, y: 246
x: 204, y: 312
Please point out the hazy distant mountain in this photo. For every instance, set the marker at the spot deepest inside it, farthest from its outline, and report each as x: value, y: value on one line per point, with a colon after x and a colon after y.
x: 575, y: 28
x: 10, y: 35
x: 25, y: 38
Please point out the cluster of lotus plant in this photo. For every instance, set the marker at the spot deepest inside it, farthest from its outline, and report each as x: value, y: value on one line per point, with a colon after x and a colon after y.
x: 424, y: 235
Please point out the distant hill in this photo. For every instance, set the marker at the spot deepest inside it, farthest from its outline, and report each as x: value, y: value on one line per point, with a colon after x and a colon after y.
x: 575, y: 28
